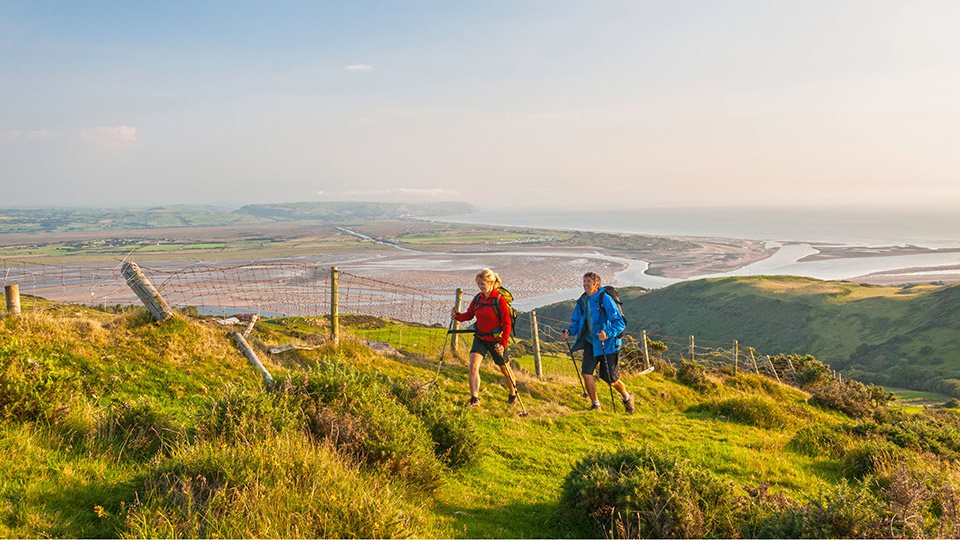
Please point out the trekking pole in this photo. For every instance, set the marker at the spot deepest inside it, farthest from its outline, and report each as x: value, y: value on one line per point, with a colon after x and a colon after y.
x: 606, y: 368
x: 516, y: 390
x: 446, y: 339
x: 574, y: 360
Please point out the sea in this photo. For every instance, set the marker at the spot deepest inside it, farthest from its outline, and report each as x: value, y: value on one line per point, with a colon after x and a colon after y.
x: 793, y: 232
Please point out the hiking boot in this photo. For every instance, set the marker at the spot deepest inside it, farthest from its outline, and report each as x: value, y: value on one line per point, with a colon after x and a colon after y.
x: 512, y: 399
x: 629, y: 403
x: 474, y: 403
x: 594, y: 407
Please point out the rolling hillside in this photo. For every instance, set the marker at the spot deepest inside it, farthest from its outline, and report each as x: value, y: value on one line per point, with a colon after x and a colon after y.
x: 901, y: 336
x: 114, y: 426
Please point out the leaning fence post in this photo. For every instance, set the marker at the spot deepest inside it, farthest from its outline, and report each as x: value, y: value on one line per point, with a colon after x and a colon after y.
x: 793, y: 370
x: 775, y: 374
x: 252, y: 356
x: 754, y: 360
x: 147, y: 293
x: 253, y: 320
x: 12, y: 292
x: 454, y: 342
x: 736, y: 354
x: 334, y: 307
x: 646, y: 352
x: 535, y: 330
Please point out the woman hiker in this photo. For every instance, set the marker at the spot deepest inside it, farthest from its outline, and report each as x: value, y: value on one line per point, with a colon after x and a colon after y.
x: 493, y: 330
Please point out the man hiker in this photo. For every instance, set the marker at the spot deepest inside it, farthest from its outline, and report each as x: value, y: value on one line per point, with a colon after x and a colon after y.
x: 598, y: 323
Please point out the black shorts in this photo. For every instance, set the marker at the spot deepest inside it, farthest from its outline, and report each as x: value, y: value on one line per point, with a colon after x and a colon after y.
x: 607, y: 371
x: 482, y: 347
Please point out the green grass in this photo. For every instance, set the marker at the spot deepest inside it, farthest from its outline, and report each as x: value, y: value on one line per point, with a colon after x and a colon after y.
x: 903, y: 336
x: 168, y: 431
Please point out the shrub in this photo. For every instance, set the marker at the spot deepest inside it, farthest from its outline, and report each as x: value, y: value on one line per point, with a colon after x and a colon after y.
x: 752, y: 410
x: 641, y: 492
x: 870, y: 457
x: 357, y: 413
x: 456, y: 441
x: 841, y: 511
x: 934, y: 431
x: 247, y: 416
x: 33, y: 386
x: 851, y: 397
x: 695, y: 376
x: 811, y: 373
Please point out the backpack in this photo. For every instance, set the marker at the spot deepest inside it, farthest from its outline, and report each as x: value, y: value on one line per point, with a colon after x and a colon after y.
x: 611, y: 291
x: 478, y: 301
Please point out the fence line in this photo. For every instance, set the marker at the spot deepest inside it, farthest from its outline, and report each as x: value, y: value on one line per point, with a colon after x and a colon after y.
x: 399, y: 318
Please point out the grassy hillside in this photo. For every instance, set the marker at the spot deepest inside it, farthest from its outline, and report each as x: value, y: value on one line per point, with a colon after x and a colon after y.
x: 114, y: 426
x: 900, y: 336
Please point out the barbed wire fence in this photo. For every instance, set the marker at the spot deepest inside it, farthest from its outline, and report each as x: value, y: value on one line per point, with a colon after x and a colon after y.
x: 391, y: 318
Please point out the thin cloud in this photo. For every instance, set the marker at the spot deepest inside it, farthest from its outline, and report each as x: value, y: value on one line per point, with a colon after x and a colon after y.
x: 111, y: 136
x: 358, y: 67
x: 38, y: 135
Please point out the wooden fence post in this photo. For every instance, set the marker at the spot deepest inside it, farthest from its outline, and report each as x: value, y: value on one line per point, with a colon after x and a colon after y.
x: 534, y: 329
x: 754, y: 360
x: 252, y: 356
x: 12, y: 292
x: 454, y: 342
x: 400, y: 337
x: 334, y: 306
x: 146, y: 292
x: 736, y: 355
x: 775, y: 374
x: 793, y: 370
x: 646, y: 352
x: 691, y: 349
x: 253, y: 320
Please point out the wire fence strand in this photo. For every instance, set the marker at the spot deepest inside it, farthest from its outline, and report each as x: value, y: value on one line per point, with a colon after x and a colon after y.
x: 398, y: 319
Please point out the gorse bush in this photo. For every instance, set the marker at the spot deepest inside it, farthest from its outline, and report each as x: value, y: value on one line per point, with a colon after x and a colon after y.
x: 642, y: 493
x: 695, y: 376
x: 354, y: 410
x: 870, y: 457
x: 811, y: 373
x: 851, y: 397
x: 455, y: 438
x: 934, y: 431
x: 245, y: 415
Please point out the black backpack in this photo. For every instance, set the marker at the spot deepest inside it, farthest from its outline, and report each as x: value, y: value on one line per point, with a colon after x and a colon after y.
x: 611, y: 291
x: 478, y: 301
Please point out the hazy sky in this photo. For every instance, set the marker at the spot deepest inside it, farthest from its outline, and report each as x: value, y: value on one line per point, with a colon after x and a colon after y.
x: 642, y: 102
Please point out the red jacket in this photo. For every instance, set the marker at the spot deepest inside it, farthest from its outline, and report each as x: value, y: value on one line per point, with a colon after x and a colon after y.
x: 486, y: 315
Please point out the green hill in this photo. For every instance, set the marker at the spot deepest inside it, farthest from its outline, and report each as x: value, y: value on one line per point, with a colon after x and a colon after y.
x: 114, y: 426
x: 900, y: 336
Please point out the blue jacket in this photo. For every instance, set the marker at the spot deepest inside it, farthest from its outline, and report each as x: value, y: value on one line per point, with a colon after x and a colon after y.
x: 588, y: 318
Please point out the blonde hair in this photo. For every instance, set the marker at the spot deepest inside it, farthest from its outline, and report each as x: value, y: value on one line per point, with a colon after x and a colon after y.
x: 486, y: 275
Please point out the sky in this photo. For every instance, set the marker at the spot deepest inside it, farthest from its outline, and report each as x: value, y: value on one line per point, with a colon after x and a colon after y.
x: 554, y: 104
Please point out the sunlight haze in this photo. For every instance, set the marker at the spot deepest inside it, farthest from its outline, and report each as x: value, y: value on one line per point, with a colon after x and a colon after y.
x: 696, y: 103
